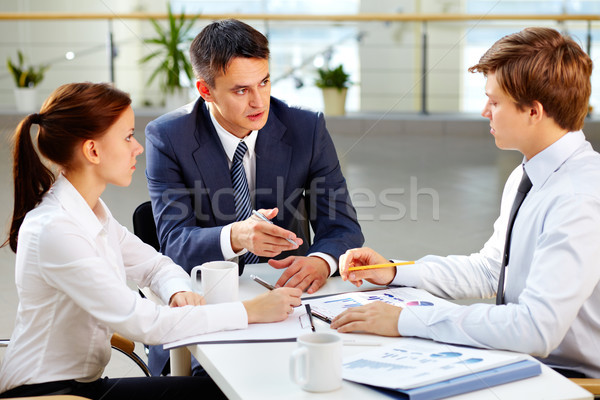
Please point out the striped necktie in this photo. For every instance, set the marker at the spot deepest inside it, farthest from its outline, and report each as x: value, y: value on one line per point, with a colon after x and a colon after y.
x: 243, y: 206
x: 522, y: 191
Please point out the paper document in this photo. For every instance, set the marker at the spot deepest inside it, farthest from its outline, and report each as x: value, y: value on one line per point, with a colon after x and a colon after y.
x: 411, y: 363
x: 331, y: 306
x: 295, y: 325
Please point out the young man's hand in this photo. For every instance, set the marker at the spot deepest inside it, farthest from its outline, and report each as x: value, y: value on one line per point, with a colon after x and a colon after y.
x: 365, y: 256
x: 378, y: 318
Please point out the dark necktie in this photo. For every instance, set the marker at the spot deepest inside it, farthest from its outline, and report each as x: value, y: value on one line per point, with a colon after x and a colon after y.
x: 522, y: 191
x: 243, y: 206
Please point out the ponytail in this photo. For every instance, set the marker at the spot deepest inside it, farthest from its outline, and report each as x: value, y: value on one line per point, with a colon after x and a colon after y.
x: 31, y: 177
x: 73, y: 113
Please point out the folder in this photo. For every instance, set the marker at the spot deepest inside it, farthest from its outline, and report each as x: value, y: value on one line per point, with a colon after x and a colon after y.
x: 468, y: 383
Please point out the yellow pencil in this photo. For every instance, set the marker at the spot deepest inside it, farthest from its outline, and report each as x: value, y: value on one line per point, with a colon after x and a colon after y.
x: 363, y: 267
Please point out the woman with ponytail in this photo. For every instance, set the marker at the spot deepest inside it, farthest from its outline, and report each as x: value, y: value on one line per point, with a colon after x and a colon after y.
x: 73, y: 260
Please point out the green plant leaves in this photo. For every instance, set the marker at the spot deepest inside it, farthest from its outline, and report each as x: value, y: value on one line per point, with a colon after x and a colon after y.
x: 335, y: 77
x: 25, y: 76
x: 173, y: 60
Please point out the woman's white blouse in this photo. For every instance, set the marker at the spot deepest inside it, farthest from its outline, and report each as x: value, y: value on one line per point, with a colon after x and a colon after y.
x: 71, y: 270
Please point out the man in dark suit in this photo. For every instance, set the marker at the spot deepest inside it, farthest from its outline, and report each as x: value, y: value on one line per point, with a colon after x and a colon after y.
x: 287, y: 155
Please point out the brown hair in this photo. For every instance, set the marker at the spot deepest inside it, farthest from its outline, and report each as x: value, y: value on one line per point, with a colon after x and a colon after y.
x: 218, y: 43
x: 540, y: 64
x: 73, y: 113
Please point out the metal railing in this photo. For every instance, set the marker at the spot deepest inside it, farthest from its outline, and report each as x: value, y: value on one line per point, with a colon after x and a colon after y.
x: 422, y: 25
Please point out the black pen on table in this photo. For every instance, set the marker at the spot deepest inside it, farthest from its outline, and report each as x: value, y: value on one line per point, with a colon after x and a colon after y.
x: 309, y: 312
x: 321, y: 316
x: 259, y: 215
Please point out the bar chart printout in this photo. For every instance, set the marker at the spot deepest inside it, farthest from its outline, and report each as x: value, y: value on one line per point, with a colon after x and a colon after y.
x: 331, y: 306
x: 413, y: 363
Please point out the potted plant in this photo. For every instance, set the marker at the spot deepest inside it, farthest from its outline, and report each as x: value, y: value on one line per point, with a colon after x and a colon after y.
x: 26, y: 77
x: 334, y: 83
x: 173, y: 62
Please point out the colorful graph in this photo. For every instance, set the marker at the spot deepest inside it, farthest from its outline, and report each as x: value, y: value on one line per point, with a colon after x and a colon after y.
x: 332, y: 306
x: 385, y: 297
x: 347, y: 302
x: 418, y: 303
x: 374, y: 365
x: 391, y: 298
x: 472, y: 360
x: 446, y: 354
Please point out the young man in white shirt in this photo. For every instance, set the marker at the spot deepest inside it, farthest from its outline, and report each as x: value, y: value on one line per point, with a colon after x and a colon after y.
x: 546, y: 278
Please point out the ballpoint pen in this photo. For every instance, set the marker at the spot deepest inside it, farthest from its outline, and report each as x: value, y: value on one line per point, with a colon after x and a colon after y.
x: 308, y: 311
x: 259, y: 215
x: 262, y: 282
x: 320, y: 316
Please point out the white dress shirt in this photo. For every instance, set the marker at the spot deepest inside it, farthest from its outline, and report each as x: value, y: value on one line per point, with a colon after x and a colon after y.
x: 552, y: 291
x: 230, y: 143
x: 71, y: 270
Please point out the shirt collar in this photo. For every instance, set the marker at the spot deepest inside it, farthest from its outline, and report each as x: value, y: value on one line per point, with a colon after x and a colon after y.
x: 75, y: 204
x: 229, y: 141
x: 549, y: 160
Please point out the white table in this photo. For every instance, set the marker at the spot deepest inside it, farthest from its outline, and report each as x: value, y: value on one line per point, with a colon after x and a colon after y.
x: 261, y: 370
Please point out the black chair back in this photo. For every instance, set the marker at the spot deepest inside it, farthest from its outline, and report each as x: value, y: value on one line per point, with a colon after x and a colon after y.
x: 144, y: 226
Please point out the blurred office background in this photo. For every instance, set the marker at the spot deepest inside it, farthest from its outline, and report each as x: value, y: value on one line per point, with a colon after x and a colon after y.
x: 385, y: 58
x: 422, y: 168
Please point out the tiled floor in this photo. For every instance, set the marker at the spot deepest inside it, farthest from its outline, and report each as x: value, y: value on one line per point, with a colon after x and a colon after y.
x: 416, y: 193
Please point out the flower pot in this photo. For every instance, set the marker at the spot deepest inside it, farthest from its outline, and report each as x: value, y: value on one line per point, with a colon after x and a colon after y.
x: 335, y: 101
x: 26, y: 99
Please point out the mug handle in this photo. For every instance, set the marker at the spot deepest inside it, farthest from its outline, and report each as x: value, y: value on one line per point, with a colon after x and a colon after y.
x: 194, y: 277
x: 300, y: 354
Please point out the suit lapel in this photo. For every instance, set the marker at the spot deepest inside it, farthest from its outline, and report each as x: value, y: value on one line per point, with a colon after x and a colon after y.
x: 211, y: 162
x: 273, y: 158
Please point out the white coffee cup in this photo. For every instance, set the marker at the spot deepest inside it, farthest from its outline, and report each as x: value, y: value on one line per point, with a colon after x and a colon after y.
x: 219, y: 281
x: 316, y: 365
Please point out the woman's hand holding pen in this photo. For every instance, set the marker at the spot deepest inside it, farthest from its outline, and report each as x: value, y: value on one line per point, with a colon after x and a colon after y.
x: 261, y: 237
x: 181, y: 299
x: 273, y: 306
x: 365, y: 256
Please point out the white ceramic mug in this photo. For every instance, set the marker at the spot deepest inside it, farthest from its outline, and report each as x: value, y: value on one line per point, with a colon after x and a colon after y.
x: 316, y: 365
x: 219, y: 281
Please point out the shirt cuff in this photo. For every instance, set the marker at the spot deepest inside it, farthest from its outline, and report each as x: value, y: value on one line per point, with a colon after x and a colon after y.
x: 225, y: 239
x: 412, y: 321
x: 328, y: 259
x: 406, y: 275
x: 424, y: 321
x: 172, y: 286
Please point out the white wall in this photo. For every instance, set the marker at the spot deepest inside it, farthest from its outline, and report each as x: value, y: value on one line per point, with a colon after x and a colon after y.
x: 48, y: 41
x: 390, y: 57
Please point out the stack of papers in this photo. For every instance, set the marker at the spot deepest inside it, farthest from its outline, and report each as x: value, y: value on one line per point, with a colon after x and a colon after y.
x: 423, y: 369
